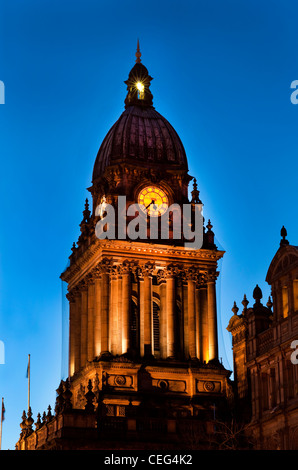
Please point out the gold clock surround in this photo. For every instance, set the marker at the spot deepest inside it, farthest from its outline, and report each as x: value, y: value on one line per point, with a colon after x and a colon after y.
x: 154, y: 200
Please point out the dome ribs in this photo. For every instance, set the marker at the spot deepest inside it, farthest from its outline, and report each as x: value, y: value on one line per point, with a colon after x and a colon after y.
x: 104, y: 151
x: 160, y: 144
x: 129, y: 131
x: 141, y: 134
x: 118, y: 145
x: 149, y: 139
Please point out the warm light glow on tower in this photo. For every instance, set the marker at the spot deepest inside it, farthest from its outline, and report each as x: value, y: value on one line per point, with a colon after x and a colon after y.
x: 140, y: 87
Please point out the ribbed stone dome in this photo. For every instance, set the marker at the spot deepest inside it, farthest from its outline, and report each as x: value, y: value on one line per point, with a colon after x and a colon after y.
x: 140, y: 136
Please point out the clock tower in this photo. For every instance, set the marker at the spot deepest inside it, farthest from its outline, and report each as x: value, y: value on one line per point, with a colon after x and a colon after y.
x: 143, y: 345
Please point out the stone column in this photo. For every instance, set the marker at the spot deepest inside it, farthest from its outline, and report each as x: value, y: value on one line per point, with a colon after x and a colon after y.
x: 170, y: 274
x: 77, y: 332
x: 185, y: 318
x: 141, y: 309
x: 113, y: 312
x: 191, y: 287
x: 119, y: 312
x: 163, y: 317
x: 204, y: 340
x: 90, y: 322
x: 147, y: 271
x: 198, y: 314
x: 180, y: 317
x: 170, y: 296
x: 212, y: 316
x: 105, y: 267
x: 97, y: 314
x: 191, y: 276
x: 72, y: 325
x: 126, y: 306
x: 84, y: 319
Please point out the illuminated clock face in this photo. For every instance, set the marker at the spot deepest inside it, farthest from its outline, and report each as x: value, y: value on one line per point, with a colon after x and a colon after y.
x: 154, y: 200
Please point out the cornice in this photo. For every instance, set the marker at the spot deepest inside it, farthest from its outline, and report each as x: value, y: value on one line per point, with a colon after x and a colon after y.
x: 117, y: 249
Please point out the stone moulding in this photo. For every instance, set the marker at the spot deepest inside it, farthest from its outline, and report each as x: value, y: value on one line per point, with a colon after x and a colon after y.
x: 116, y: 250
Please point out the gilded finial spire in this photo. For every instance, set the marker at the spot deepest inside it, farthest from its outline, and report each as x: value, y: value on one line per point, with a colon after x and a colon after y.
x: 138, y: 53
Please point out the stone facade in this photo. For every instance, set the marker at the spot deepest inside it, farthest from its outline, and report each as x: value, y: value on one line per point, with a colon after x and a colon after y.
x: 143, y: 349
x: 265, y: 375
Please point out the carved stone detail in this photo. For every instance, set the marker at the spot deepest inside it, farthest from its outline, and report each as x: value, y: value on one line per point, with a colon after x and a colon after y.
x: 147, y: 269
x: 209, y: 386
x: 191, y: 273
x: 120, y: 380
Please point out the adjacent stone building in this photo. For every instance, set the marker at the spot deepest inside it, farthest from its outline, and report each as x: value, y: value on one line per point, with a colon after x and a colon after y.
x: 265, y: 372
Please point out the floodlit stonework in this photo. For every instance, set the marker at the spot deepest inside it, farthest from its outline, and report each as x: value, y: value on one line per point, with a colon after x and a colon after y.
x: 144, y: 371
x: 266, y: 378
x: 143, y: 348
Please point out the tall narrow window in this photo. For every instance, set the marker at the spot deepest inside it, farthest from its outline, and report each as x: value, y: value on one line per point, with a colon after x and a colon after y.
x: 295, y: 293
x: 156, y: 327
x: 265, y: 390
x: 285, y: 301
x: 134, y: 326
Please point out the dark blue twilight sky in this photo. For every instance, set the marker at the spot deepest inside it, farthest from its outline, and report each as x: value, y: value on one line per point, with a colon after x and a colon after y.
x: 222, y: 73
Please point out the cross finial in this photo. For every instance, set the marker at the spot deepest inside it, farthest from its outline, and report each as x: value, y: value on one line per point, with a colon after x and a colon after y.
x: 138, y: 53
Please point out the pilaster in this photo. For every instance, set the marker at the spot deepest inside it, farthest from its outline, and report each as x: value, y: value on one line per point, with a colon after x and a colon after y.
x: 212, y: 315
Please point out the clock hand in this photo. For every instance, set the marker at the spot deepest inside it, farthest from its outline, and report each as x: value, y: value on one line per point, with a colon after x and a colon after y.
x: 152, y: 202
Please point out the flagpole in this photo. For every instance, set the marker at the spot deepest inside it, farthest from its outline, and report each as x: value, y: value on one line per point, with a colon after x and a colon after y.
x: 2, y: 406
x: 28, y: 381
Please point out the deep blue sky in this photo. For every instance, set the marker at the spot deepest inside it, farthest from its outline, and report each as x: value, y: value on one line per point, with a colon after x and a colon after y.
x: 222, y: 73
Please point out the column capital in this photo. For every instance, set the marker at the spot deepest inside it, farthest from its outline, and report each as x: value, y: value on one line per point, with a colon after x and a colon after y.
x: 71, y: 296
x: 103, y: 267
x: 83, y: 285
x: 161, y: 277
x: 172, y: 270
x: 169, y: 272
x: 106, y: 265
x: 127, y: 267
x: 74, y: 292
x: 211, y: 276
x: 146, y: 270
x: 192, y: 274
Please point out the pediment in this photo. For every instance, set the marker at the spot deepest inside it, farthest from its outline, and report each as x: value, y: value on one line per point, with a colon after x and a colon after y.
x: 236, y: 321
x: 285, y: 259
